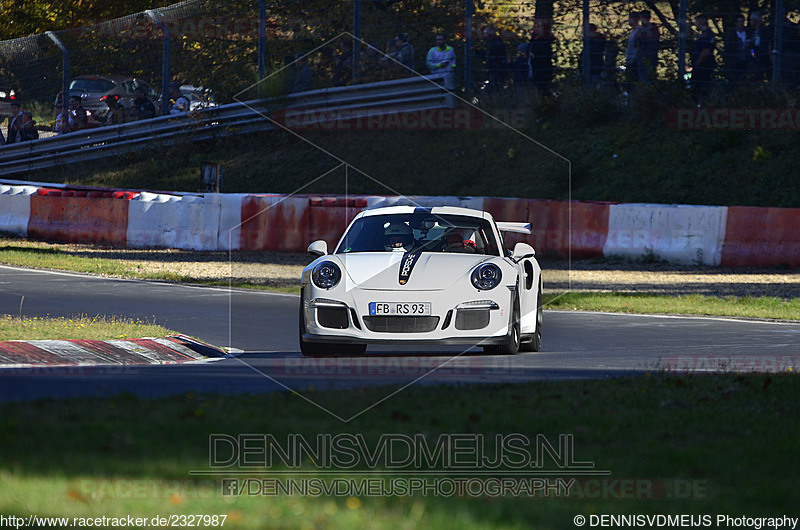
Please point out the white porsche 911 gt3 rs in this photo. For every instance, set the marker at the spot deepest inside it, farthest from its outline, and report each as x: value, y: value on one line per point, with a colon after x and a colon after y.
x: 409, y: 275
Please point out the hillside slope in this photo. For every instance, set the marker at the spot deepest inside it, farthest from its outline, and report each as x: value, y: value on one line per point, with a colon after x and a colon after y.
x: 593, y: 145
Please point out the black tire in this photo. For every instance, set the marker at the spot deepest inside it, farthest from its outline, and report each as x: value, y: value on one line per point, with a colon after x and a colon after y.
x: 512, y: 344
x: 535, y: 343
x: 325, y: 349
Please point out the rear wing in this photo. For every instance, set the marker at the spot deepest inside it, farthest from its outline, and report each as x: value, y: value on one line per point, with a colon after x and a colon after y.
x: 519, y: 228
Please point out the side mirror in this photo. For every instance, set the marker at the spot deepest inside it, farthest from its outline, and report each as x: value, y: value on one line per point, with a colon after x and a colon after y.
x: 318, y: 248
x: 521, y: 251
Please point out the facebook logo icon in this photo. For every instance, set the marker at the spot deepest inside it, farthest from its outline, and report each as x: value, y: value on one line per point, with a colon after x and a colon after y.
x: 230, y: 486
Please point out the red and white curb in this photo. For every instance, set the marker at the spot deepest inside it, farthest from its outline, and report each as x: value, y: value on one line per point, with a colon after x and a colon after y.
x: 168, y: 350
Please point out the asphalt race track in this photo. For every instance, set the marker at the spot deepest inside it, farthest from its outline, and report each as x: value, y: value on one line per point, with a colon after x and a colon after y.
x: 264, y: 325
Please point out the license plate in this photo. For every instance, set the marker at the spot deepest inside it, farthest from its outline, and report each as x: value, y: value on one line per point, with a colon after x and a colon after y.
x: 400, y: 308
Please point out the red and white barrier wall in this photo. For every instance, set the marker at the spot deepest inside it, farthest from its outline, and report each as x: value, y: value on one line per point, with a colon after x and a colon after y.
x: 710, y: 235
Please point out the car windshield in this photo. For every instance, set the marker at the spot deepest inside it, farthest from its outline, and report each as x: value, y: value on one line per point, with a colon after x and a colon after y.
x: 91, y: 85
x: 424, y: 232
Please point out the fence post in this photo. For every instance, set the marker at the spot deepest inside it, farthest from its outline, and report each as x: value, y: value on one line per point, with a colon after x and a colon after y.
x: 780, y: 14
x: 262, y: 38
x: 682, y: 40
x: 468, y: 12
x: 356, y: 36
x: 65, y: 76
x: 585, y: 66
x: 165, y: 68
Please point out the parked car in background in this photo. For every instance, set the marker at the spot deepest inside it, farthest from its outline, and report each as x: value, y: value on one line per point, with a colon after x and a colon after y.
x: 7, y: 95
x: 199, y: 97
x: 92, y: 89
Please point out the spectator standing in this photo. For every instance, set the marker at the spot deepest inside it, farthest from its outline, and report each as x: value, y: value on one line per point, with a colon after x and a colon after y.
x: 496, y: 60
x: 521, y: 71
x: 141, y: 108
x: 369, y: 62
x: 343, y: 64
x: 759, y: 48
x: 27, y: 129
x: 703, y: 62
x: 404, y: 52
x: 736, y: 52
x: 632, y: 52
x: 58, y: 111
x: 541, y: 56
x: 179, y: 103
x: 289, y: 74
x: 14, y: 122
x: 304, y: 80
x: 609, y: 73
x: 441, y: 59
x: 116, y: 110
x: 77, y: 116
x: 595, y: 47
x: 648, y: 40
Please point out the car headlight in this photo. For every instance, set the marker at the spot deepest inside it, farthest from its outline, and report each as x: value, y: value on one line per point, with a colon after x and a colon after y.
x: 486, y: 276
x: 326, y: 275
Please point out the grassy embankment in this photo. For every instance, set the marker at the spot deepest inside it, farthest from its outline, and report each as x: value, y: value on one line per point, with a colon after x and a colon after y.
x: 672, y: 444
x: 613, y: 148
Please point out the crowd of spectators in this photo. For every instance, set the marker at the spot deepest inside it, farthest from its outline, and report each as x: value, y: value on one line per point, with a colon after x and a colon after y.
x: 746, y: 53
x: 21, y: 126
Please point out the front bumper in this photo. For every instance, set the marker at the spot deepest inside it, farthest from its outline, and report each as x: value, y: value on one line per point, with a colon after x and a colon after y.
x: 475, y: 317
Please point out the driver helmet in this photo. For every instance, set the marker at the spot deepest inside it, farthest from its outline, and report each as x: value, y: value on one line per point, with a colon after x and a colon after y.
x: 398, y: 236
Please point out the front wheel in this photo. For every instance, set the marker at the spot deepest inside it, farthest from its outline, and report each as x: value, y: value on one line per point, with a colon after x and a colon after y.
x: 536, y: 342
x: 512, y: 344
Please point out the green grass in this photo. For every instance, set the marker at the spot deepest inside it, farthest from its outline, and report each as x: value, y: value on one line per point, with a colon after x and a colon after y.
x: 620, y: 302
x: 48, y: 256
x: 80, y: 327
x: 718, y: 444
x: 38, y: 255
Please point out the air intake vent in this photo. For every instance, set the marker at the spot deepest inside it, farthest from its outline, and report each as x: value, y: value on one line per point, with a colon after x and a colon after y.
x: 401, y: 324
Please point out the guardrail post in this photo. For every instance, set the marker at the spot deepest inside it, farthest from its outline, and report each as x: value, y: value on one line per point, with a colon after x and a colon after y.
x: 65, y: 75
x: 165, y: 68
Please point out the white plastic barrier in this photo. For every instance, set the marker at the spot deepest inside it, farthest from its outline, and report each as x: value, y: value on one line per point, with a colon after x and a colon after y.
x: 15, y: 209
x: 675, y: 233
x: 230, y: 218
x: 169, y: 221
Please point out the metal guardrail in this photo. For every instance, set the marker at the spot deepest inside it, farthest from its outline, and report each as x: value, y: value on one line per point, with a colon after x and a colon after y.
x: 400, y: 95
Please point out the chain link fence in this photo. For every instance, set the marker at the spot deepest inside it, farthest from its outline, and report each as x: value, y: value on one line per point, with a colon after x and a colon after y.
x: 220, y: 45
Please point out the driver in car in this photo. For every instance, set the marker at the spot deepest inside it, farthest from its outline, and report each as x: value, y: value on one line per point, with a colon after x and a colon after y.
x: 398, y: 237
x: 455, y: 242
